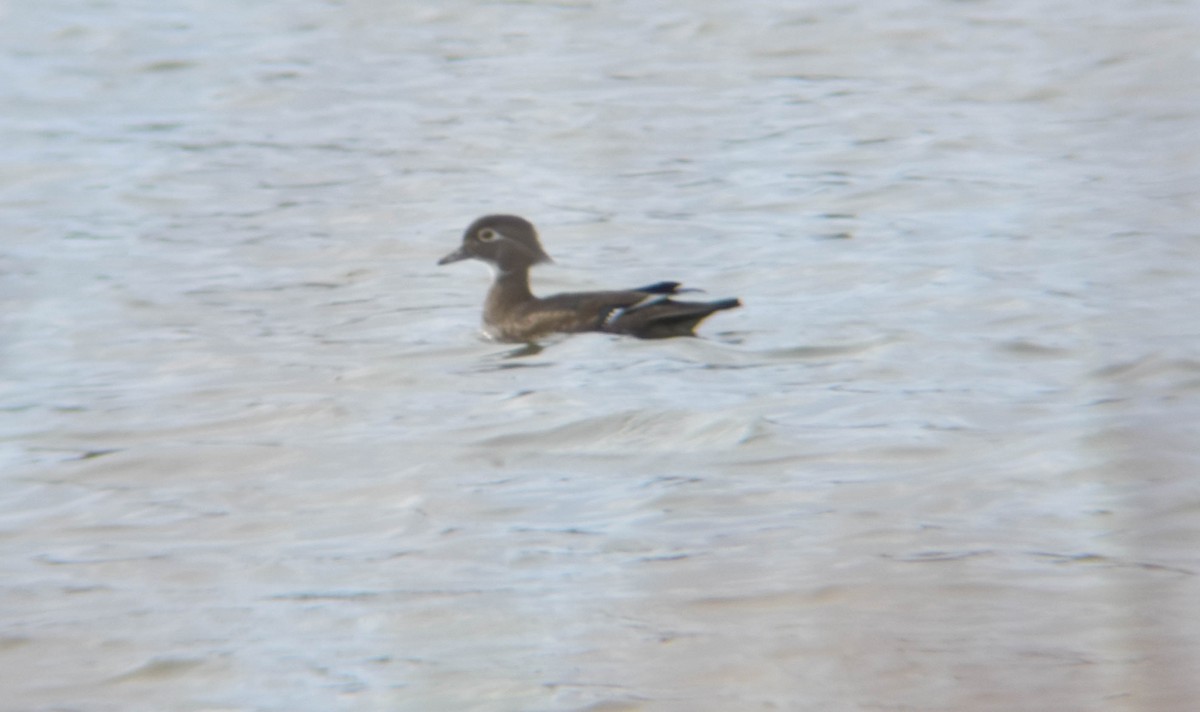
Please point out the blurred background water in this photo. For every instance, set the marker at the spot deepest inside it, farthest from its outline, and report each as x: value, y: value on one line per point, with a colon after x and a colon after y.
x: 256, y: 455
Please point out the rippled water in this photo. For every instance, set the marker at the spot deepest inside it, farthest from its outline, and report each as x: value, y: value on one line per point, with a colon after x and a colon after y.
x: 257, y: 457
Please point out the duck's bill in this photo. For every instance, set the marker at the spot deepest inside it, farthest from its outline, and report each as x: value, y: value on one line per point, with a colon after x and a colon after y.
x: 457, y: 256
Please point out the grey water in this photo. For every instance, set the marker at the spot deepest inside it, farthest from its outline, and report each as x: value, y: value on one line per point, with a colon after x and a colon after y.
x: 256, y: 456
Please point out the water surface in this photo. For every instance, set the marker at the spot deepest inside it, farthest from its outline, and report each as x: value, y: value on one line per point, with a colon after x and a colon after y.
x: 257, y: 457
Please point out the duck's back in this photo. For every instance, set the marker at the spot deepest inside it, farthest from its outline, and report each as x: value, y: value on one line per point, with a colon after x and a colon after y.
x: 570, y: 312
x: 646, y: 312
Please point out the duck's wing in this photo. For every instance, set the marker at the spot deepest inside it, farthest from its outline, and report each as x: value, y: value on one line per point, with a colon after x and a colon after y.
x: 566, y: 313
x: 658, y: 317
x: 648, y: 313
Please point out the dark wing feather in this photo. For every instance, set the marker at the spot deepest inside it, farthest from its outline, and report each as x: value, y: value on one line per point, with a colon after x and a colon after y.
x: 659, y: 288
x: 665, y: 288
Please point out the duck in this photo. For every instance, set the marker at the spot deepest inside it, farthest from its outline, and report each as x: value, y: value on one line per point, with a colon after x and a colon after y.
x: 512, y: 313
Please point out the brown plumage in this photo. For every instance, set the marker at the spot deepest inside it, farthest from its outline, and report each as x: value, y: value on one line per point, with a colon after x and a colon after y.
x: 511, y: 313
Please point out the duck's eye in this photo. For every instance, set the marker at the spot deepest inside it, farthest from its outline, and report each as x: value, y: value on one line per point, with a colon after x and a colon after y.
x: 487, y: 234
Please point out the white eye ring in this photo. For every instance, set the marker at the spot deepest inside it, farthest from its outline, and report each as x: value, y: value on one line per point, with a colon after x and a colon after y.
x: 487, y: 234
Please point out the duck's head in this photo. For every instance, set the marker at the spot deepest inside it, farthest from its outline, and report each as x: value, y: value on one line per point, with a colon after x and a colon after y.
x: 506, y: 242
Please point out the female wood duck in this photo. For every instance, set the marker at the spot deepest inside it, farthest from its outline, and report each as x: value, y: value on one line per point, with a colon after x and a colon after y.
x: 511, y: 313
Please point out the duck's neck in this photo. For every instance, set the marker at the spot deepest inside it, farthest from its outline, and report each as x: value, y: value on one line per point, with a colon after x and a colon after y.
x: 510, y: 289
